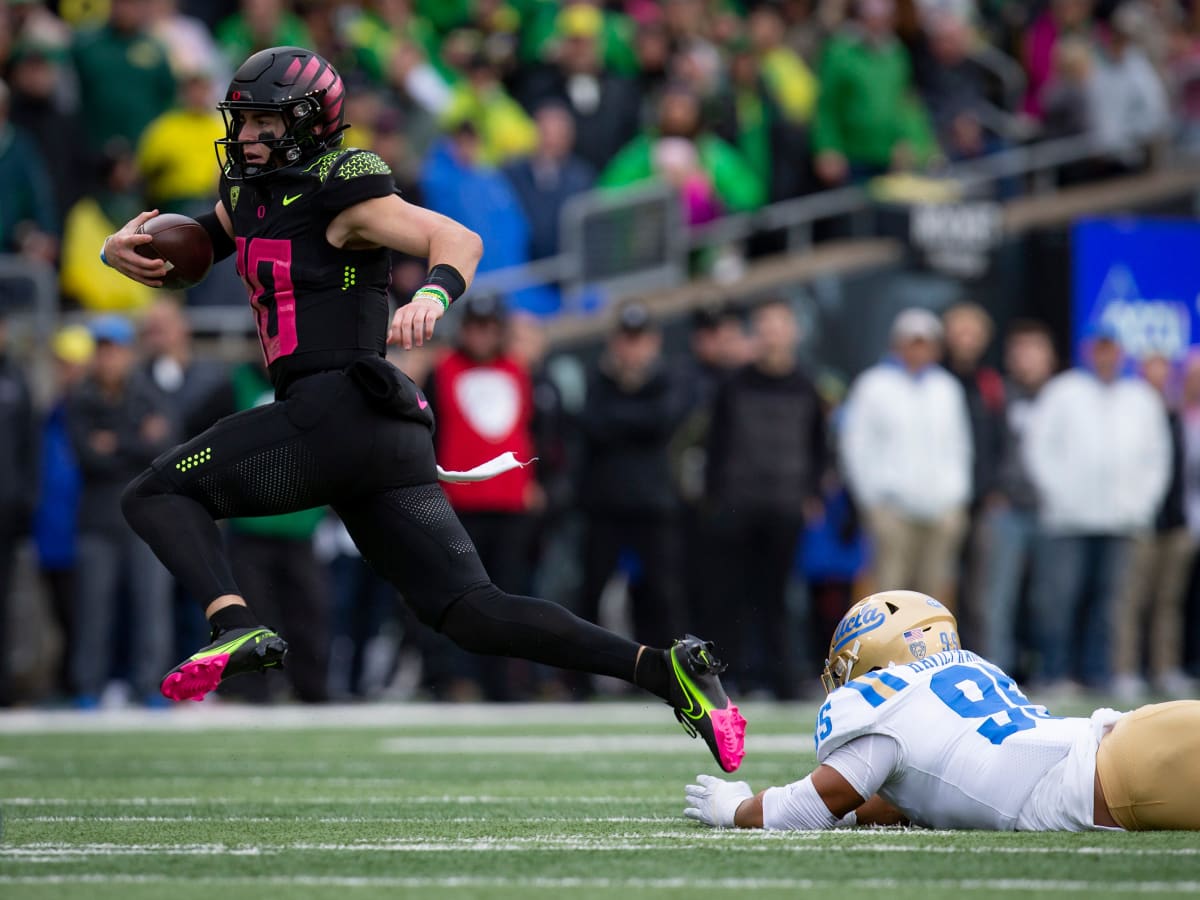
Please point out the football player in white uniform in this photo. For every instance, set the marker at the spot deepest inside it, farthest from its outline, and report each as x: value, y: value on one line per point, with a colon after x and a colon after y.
x: 916, y: 729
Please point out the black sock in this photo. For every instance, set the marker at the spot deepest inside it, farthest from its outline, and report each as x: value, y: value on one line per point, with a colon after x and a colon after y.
x: 653, y: 673
x: 233, y: 616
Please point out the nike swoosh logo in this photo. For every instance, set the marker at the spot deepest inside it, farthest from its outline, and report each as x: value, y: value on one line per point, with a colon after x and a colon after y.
x: 288, y: 200
x: 422, y: 403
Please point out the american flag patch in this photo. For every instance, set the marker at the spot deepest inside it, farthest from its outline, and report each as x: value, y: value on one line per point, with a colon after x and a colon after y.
x: 915, y: 634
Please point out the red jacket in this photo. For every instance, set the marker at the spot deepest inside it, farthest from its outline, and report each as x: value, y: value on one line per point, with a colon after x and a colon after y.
x: 484, y: 409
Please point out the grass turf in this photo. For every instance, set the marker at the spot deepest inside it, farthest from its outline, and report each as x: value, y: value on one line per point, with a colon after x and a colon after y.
x: 453, y: 802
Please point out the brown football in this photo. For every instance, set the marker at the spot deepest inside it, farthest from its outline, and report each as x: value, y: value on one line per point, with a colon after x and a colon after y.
x: 185, y: 246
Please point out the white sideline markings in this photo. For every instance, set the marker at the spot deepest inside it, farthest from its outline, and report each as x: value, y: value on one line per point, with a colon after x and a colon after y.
x: 666, y: 840
x: 1013, y: 884
x: 397, y: 799
x: 556, y: 745
x: 353, y: 820
x: 213, y: 716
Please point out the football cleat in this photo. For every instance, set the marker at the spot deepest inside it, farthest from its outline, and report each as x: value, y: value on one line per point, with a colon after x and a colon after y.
x: 232, y: 652
x: 701, y: 705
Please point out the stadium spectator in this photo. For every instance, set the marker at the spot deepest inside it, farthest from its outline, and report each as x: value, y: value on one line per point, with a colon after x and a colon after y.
x: 505, y: 129
x: 397, y: 48
x: 1066, y: 99
x: 175, y: 155
x: 869, y: 119
x: 84, y: 279
x: 903, y: 745
x: 195, y: 388
x: 259, y: 24
x: 1059, y: 20
x: 712, y: 177
x: 1128, y: 105
x: 605, y: 105
x: 548, y: 177
x: 1009, y: 527
x: 274, y: 559
x: 483, y: 399
x: 905, y: 446
x: 59, y: 484
x: 455, y: 183
x: 125, y: 79
x: 1099, y: 452
x: 28, y: 224
x: 968, y: 331
x: 633, y: 407
x: 789, y: 82
x: 1149, y: 612
x: 118, y: 425
x: 751, y: 117
x: 18, y: 480
x: 766, y: 456
x: 37, y: 77
x: 189, y: 44
x: 954, y: 88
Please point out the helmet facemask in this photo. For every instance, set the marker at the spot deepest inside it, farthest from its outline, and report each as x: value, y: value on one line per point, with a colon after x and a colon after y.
x: 300, y: 139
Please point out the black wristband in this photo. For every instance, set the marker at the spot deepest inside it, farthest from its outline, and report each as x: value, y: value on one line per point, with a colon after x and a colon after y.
x: 448, y: 279
x: 222, y: 243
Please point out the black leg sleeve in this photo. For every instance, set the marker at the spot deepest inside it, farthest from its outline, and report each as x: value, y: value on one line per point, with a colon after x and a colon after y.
x: 182, y: 535
x: 487, y: 620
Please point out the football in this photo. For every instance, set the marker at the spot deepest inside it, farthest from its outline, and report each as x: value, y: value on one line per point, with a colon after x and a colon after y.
x: 183, y: 244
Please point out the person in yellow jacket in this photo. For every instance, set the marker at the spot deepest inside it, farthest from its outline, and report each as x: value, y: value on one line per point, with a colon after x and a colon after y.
x: 84, y: 279
x: 175, y: 155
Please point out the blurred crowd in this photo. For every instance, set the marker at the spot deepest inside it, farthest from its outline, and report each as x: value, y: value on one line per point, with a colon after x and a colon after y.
x: 726, y: 486
x: 496, y: 112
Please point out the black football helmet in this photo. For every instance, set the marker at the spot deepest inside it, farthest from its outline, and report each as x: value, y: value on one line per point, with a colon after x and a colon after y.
x: 299, y: 85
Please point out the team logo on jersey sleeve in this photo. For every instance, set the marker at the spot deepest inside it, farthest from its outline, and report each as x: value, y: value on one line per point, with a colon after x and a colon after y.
x: 234, y: 192
x: 855, y: 626
x: 916, y: 643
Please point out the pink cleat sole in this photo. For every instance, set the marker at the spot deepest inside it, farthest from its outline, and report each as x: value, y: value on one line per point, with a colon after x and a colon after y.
x: 729, y: 726
x: 196, y: 677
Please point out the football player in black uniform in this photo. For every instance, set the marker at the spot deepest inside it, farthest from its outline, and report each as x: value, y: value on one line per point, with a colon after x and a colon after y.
x: 311, y: 224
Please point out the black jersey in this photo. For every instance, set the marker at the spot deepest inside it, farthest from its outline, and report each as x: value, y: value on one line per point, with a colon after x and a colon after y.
x: 317, y: 307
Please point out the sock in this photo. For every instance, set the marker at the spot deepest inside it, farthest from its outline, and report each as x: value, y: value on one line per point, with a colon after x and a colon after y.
x: 654, y: 673
x: 235, y: 616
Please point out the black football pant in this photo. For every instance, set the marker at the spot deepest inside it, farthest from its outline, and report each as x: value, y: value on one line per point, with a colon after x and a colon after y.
x: 322, y: 444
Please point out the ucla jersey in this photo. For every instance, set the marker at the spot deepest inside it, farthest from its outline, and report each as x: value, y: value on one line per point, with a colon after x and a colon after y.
x: 316, y: 306
x: 974, y: 751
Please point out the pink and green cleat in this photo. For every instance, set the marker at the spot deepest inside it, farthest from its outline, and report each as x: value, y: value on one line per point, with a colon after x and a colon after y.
x: 701, y: 705
x: 232, y: 652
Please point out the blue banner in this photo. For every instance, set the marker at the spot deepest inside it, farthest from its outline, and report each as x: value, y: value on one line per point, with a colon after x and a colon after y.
x: 1141, y: 278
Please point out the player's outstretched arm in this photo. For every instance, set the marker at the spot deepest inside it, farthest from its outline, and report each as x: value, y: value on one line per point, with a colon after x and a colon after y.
x: 820, y: 800
x: 390, y: 222
x: 119, y: 251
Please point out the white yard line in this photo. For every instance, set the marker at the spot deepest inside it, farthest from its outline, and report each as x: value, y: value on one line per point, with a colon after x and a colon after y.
x: 212, y: 716
x: 670, y: 840
x: 747, y: 884
x: 558, y: 745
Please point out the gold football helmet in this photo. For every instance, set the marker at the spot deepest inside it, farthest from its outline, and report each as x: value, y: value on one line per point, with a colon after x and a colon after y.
x: 886, y: 628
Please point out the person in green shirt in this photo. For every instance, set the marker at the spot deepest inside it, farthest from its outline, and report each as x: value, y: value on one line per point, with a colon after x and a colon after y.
x: 260, y: 24
x: 125, y: 78
x: 712, y: 177
x: 869, y: 119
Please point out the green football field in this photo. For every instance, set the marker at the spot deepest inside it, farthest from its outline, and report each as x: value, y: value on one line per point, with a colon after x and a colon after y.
x: 522, y: 802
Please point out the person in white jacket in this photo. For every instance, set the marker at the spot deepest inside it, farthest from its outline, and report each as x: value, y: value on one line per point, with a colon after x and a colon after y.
x: 1098, y: 451
x: 906, y: 452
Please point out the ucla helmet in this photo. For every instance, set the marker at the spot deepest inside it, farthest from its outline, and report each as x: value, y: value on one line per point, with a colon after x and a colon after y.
x: 299, y: 85
x: 892, y: 627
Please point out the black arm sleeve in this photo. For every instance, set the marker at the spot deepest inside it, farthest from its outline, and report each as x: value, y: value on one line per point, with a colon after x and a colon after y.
x: 222, y: 243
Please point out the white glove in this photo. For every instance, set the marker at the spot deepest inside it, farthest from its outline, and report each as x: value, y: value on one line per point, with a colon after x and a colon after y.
x: 714, y: 801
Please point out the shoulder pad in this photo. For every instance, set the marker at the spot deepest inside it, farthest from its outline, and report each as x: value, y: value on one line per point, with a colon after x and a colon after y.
x: 346, y: 163
x: 856, y: 708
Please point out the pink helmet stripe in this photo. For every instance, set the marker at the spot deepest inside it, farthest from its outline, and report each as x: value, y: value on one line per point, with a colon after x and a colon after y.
x: 292, y: 71
x: 311, y: 71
